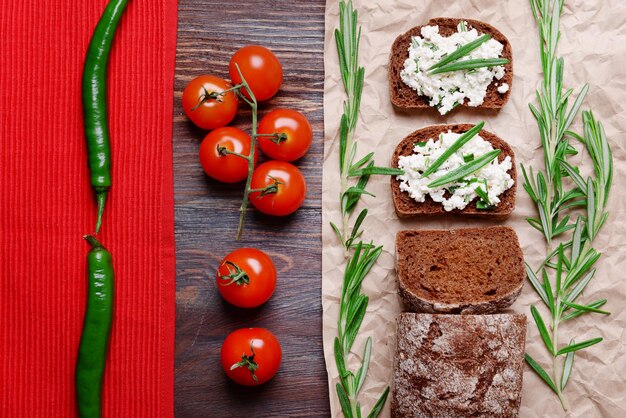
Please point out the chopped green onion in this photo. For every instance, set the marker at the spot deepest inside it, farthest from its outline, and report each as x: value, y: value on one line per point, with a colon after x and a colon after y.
x: 466, y: 169
x: 420, y: 144
x: 431, y: 45
x: 462, y: 140
x: 455, y: 105
x: 461, y: 27
x: 481, y: 205
x: 469, y: 65
x: 484, y: 197
x: 461, y: 51
x: 468, y: 157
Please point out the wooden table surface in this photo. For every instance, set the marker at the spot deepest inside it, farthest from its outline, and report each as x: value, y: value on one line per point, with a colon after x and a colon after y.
x: 209, y: 32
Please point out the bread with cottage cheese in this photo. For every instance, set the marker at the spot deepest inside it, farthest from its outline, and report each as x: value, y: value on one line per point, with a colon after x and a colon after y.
x: 458, y: 365
x: 407, y: 207
x: 405, y: 98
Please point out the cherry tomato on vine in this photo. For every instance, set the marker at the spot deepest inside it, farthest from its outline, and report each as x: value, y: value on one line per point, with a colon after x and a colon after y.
x: 204, y: 104
x: 251, y: 356
x: 221, y: 166
x: 246, y: 277
x: 261, y: 69
x: 284, y: 188
x: 294, y: 134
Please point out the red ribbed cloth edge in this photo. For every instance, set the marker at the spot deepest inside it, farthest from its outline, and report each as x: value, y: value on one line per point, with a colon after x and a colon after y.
x: 46, y: 206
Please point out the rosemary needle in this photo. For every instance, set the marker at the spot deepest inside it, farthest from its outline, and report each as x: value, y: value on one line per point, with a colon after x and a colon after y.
x: 461, y: 51
x: 469, y: 65
x: 465, y: 169
x: 456, y: 145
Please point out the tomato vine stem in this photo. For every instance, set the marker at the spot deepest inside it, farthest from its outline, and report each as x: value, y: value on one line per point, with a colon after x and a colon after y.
x: 276, y: 137
x: 214, y: 95
x: 225, y: 151
x: 250, y: 158
x: 254, y: 108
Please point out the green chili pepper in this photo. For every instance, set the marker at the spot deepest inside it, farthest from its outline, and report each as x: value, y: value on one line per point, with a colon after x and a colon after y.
x: 94, y: 341
x: 94, y: 102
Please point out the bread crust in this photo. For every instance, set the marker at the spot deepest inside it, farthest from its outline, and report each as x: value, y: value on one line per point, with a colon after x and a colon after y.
x: 482, y: 270
x: 406, y: 207
x: 404, y: 97
x: 458, y: 365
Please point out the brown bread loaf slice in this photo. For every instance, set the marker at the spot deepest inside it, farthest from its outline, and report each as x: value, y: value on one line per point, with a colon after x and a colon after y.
x: 407, y: 207
x: 458, y: 365
x: 404, y: 97
x: 467, y: 271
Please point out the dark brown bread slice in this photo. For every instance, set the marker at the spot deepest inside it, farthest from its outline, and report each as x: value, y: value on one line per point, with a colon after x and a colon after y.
x: 458, y: 365
x: 407, y: 207
x: 404, y: 97
x: 467, y: 271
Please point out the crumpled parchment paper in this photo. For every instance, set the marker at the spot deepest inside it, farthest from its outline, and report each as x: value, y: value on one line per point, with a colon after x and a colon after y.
x: 593, y: 44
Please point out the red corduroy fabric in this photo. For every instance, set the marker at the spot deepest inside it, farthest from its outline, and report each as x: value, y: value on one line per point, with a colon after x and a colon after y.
x: 46, y: 206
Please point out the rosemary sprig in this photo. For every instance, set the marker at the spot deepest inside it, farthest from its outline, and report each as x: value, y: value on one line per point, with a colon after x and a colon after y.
x: 469, y: 65
x: 347, y: 38
x: 351, y: 312
x: 568, y: 269
x: 461, y: 51
x: 360, y: 257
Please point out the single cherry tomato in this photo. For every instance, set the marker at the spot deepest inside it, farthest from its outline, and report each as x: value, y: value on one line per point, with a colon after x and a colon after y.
x: 294, y: 134
x: 246, y: 278
x: 205, y: 105
x: 283, y: 185
x: 260, y: 68
x: 220, y: 165
x: 251, y: 356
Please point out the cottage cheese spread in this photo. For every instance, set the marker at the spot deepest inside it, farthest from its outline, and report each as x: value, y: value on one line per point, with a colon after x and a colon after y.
x: 448, y: 90
x: 503, y: 88
x: 492, y: 178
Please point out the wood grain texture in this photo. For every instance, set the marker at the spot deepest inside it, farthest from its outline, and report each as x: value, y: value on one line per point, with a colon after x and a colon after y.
x: 209, y: 32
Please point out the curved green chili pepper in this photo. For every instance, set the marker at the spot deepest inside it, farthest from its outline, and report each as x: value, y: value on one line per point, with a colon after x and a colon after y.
x: 94, y: 102
x: 94, y: 341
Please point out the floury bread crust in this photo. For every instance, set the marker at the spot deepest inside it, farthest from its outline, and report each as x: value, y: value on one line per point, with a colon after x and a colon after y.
x: 404, y: 97
x: 407, y: 207
x: 462, y: 271
x: 458, y: 366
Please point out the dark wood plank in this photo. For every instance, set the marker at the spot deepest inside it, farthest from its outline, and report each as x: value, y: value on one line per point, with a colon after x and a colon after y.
x: 209, y: 31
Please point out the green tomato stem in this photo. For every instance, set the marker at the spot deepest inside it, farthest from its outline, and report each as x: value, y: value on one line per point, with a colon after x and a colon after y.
x: 225, y: 151
x: 246, y: 193
x: 213, y: 95
x: 276, y: 137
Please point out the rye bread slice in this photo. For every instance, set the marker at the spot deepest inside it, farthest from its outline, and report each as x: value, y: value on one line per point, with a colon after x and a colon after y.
x: 458, y: 365
x: 466, y: 271
x: 404, y: 97
x: 407, y: 207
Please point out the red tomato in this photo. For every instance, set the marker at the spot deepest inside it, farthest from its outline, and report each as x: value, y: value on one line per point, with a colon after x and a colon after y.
x: 226, y: 168
x: 296, y: 131
x: 287, y: 182
x: 260, y: 68
x: 251, y: 356
x: 205, y: 106
x: 246, y: 278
